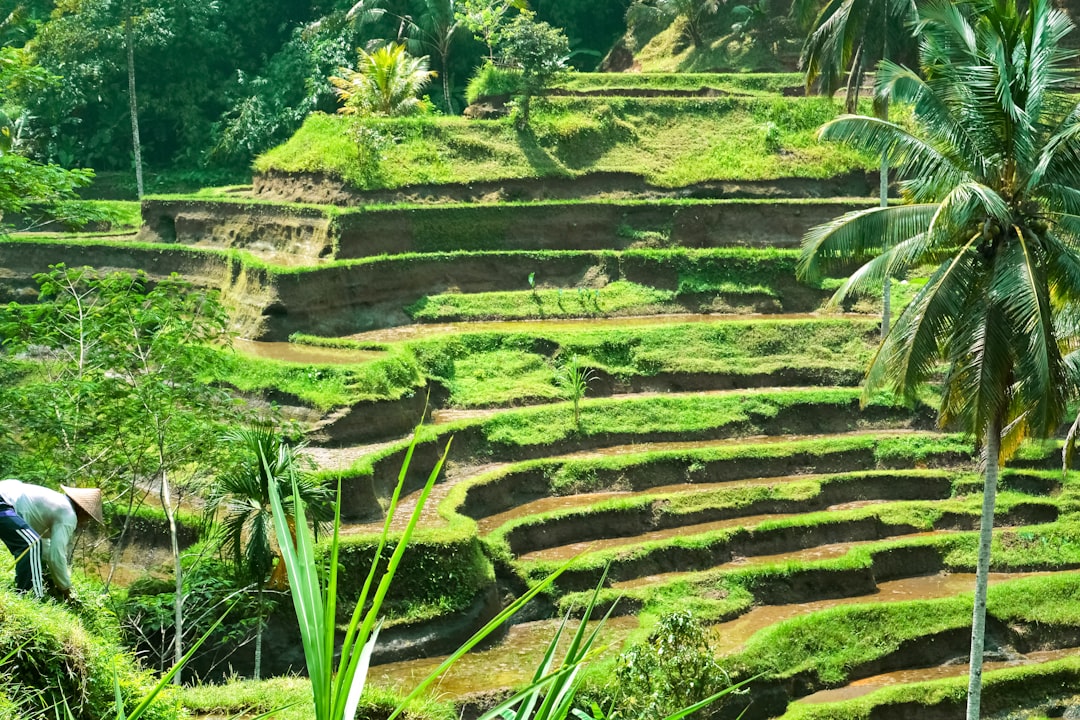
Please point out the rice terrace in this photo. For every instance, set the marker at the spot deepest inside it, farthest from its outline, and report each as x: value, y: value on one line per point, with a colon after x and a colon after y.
x: 625, y: 359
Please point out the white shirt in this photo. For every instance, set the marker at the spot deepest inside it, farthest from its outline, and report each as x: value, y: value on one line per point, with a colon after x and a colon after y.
x: 51, y: 516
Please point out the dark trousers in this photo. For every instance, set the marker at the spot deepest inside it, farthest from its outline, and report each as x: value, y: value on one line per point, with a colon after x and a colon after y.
x: 25, y: 545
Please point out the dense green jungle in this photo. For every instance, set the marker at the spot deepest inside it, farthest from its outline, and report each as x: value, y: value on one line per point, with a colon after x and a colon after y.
x: 630, y: 359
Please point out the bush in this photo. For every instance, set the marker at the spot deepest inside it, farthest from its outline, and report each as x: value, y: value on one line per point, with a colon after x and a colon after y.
x: 673, y: 669
x: 491, y: 81
x: 436, y: 575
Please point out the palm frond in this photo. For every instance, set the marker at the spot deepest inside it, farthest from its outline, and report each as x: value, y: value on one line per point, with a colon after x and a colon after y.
x: 910, y: 155
x: 910, y: 352
x: 858, y: 235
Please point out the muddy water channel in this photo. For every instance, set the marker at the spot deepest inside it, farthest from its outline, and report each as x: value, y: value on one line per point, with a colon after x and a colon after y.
x: 511, y: 663
x: 865, y: 686
x: 729, y: 636
x: 306, y: 354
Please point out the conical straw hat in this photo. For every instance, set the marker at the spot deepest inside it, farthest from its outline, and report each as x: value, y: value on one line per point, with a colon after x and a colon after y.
x: 88, y: 499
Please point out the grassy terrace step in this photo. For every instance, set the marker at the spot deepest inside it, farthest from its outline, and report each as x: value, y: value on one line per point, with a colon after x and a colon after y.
x: 516, y: 364
x: 1005, y: 691
x: 783, y: 537
x: 692, y: 508
x: 626, y: 518
x: 384, y: 395
x: 696, y: 464
x: 836, y: 646
x: 317, y: 233
x: 763, y: 84
x: 723, y: 593
x: 667, y: 141
x: 550, y: 430
x: 273, y: 301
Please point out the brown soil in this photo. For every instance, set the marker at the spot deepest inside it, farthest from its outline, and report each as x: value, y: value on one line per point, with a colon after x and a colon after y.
x: 324, y: 189
x: 518, y: 488
x: 287, y: 236
x: 627, y: 523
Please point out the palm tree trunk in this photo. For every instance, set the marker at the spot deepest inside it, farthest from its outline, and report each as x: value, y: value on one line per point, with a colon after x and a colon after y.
x: 883, y: 183
x: 446, y: 85
x: 982, y: 569
x: 136, y: 145
x: 883, y: 197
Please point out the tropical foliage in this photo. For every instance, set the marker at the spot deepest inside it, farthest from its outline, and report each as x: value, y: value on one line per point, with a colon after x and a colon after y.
x: 693, y: 14
x: 117, y: 395
x: 849, y: 37
x: 539, y: 51
x: 989, y: 175
x: 486, y: 18
x: 388, y: 82
x: 244, y: 531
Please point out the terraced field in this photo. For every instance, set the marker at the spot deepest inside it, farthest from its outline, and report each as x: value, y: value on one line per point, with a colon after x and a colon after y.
x: 724, y: 460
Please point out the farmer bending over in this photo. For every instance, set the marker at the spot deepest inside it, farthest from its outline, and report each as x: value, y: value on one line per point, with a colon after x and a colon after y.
x: 37, y: 523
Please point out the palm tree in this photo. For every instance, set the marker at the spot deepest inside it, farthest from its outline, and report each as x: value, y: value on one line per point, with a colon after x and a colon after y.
x: 991, y: 177
x: 849, y: 36
x: 244, y: 533
x: 692, y: 12
x: 440, y: 27
x: 388, y: 83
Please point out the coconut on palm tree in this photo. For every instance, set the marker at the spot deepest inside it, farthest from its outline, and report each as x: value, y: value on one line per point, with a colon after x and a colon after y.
x: 990, y: 175
x: 242, y: 493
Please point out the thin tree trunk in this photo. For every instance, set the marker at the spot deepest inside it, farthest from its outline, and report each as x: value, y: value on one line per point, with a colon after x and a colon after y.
x: 136, y: 145
x: 982, y: 570
x: 178, y: 603
x: 258, y: 635
x: 851, y: 92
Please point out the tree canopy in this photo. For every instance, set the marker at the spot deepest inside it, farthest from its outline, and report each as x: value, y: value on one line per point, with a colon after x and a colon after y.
x: 989, y: 178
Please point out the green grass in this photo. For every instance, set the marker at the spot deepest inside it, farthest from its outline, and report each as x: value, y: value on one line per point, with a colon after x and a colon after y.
x: 248, y: 697
x: 692, y: 502
x: 502, y: 377
x: 642, y: 470
x: 688, y: 415
x: 898, y: 518
x: 1008, y: 690
x: 322, y: 386
x: 764, y: 84
x: 483, y: 369
x: 668, y: 52
x: 617, y: 298
x: 68, y: 652
x: 830, y: 643
x: 491, y: 81
x: 669, y: 142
